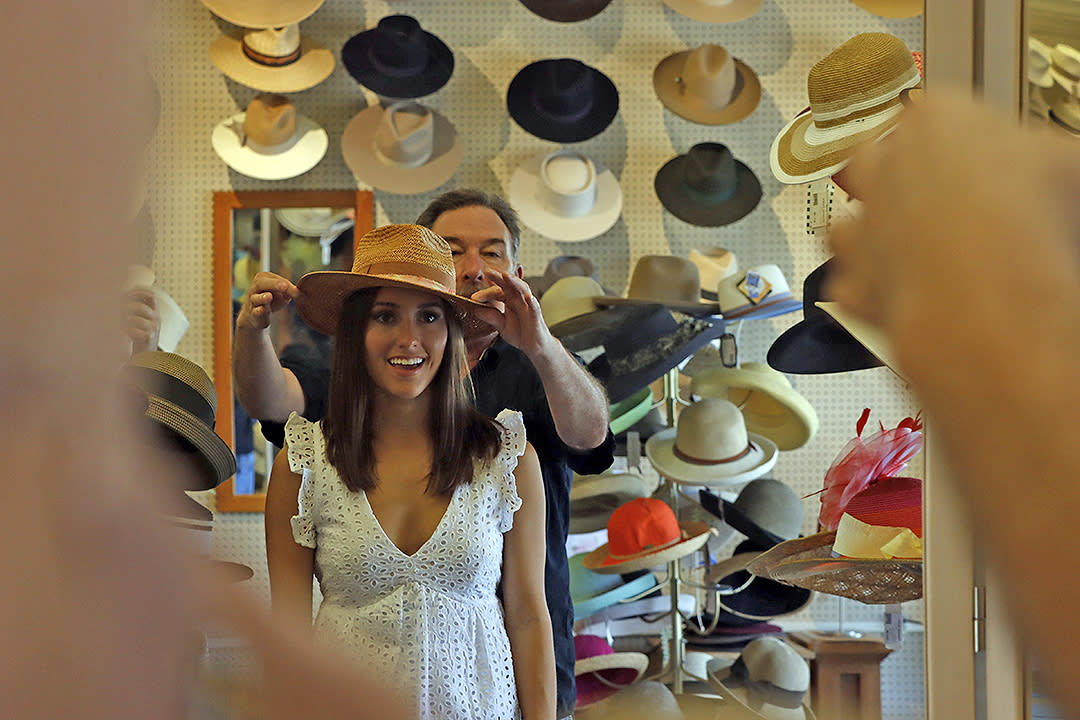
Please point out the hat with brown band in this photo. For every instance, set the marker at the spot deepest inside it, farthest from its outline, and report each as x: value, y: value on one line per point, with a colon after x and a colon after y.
x: 274, y: 59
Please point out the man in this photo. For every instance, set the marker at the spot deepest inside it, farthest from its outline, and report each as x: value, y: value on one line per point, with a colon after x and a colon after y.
x: 521, y: 366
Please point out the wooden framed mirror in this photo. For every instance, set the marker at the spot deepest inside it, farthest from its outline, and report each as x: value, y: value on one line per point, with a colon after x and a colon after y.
x: 289, y: 233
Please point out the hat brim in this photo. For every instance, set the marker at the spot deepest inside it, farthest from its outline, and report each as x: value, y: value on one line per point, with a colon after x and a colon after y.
x: 719, y: 677
x: 819, y: 345
x: 525, y: 197
x: 808, y: 563
x: 614, y: 672
x: 313, y: 66
x: 695, y: 208
x: 563, y: 11
x: 590, y: 330
x: 701, y: 307
x: 627, y: 413
x: 896, y: 9
x: 248, y: 14
x: 356, y: 57
x: 587, y: 608
x: 358, y: 149
x: 212, y: 452
x: 727, y: 13
x: 305, y: 151
x: 660, y: 449
x: 604, y: 108
x: 323, y: 293
x: 599, y: 561
x: 760, y: 598
x: 865, y: 334
x: 770, y: 406
x: 594, y: 498
x: 691, y: 107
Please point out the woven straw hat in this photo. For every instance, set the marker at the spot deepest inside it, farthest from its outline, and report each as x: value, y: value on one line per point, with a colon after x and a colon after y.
x: 644, y: 533
x: 263, y: 13
x: 715, y: 11
x: 181, y: 398
x: 270, y: 140
x: 408, y: 256
x: 809, y: 563
x: 275, y: 59
x: 707, y: 85
x: 855, y: 97
x: 892, y: 8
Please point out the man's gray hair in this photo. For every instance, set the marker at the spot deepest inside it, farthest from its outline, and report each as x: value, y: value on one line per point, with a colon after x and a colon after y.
x: 469, y: 197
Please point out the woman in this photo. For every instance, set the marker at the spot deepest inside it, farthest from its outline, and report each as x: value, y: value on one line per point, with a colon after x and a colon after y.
x: 406, y: 504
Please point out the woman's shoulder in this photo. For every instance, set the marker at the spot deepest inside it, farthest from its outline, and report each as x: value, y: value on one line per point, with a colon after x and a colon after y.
x: 304, y: 441
x: 512, y: 426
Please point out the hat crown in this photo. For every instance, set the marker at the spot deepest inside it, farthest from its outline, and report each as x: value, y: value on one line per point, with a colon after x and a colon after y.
x: 1066, y: 59
x: 641, y: 525
x: 274, y: 42
x: 744, y: 289
x: 398, y: 45
x: 405, y: 250
x: 711, y: 430
x: 405, y: 136
x: 772, y: 506
x: 708, y: 73
x: 569, y: 297
x: 862, y: 77
x: 568, y: 266
x: 564, y: 89
x: 270, y: 120
x: 772, y: 661
x: 710, y: 170
x: 568, y: 183
x: 665, y: 279
x: 586, y: 584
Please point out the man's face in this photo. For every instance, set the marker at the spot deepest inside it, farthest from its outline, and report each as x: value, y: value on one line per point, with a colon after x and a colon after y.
x: 480, y: 242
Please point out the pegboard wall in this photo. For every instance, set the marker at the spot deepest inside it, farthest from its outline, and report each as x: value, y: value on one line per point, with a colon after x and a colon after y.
x: 491, y: 41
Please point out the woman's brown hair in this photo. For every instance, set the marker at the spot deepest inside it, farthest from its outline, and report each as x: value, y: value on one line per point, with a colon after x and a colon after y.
x: 459, y: 434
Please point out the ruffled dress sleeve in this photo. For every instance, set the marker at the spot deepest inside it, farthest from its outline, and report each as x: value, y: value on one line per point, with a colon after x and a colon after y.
x: 513, y: 446
x: 304, y: 440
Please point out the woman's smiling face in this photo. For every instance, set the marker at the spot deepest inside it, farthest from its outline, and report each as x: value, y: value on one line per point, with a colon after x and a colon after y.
x: 405, y: 340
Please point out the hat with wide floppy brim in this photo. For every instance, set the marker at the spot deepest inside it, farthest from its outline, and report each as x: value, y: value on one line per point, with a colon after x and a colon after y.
x: 766, y: 511
x: 809, y: 563
x: 600, y: 671
x: 398, y: 59
x: 756, y: 293
x: 707, y: 186
x: 711, y: 446
x: 405, y: 148
x: 566, y: 196
x: 276, y: 59
x: 644, y: 533
x: 594, y: 497
x: 626, y: 413
x: 769, y: 404
x: 715, y: 11
x: 751, y: 597
x: 671, y: 281
x: 707, y: 85
x: 263, y: 14
x: 769, y: 679
x: 566, y: 10
x: 818, y: 343
x: 648, y: 342
x: 269, y: 140
x: 855, y: 97
x: 896, y: 9
x: 405, y: 256
x: 593, y: 592
x: 180, y: 397
x: 562, y: 100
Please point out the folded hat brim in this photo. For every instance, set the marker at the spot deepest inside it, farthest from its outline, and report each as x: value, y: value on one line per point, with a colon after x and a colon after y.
x: 715, y: 13
x: 562, y: 11
x: 358, y: 149
x: 525, y: 197
x: 256, y: 14
x: 819, y: 345
x: 696, y: 208
x: 356, y: 56
x: 660, y: 449
x: 304, y: 152
x: 521, y: 106
x: 692, y: 107
x: 314, y: 65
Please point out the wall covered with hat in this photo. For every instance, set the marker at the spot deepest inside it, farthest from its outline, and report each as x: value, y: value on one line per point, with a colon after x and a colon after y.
x: 491, y: 41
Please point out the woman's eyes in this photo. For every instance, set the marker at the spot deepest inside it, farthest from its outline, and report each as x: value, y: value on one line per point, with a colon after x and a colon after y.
x: 383, y: 317
x: 387, y: 317
x: 431, y: 316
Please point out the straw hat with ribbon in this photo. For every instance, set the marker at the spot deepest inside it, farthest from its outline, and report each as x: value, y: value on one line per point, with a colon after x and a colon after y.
x: 755, y: 293
x: 274, y: 59
x: 566, y: 196
x: 711, y: 446
x: 562, y: 100
x: 707, y: 85
x: 566, y: 10
x: 715, y: 11
x: 405, y: 148
x: 408, y: 256
x: 181, y: 399
x: 594, y: 497
x: 713, y: 265
x: 770, y: 406
x: 600, y: 671
x: 262, y: 14
x: 398, y: 59
x: 769, y: 679
x: 593, y: 592
x: 644, y: 533
x: 707, y: 186
x: 270, y: 140
x: 666, y: 280
x: 855, y: 97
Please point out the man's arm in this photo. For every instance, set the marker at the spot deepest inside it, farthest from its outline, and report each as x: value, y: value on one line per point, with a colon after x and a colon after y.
x: 265, y: 389
x: 577, y: 402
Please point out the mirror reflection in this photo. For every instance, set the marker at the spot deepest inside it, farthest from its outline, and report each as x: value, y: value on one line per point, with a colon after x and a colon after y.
x: 1053, y: 64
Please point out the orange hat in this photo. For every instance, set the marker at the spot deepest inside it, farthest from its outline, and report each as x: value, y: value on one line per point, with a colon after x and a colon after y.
x: 644, y: 533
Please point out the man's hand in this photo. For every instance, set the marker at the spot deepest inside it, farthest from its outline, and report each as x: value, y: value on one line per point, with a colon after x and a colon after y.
x: 519, y: 322
x: 143, y: 320
x: 267, y: 294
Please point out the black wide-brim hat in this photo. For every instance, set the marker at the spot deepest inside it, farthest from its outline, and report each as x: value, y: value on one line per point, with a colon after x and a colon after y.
x: 562, y: 100
x: 818, y: 344
x: 590, y: 330
x: 397, y: 59
x: 707, y: 186
x: 650, y: 341
x: 760, y: 598
x: 566, y: 10
x: 727, y: 511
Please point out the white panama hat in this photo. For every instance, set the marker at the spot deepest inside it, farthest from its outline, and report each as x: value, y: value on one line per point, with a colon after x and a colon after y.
x: 566, y: 196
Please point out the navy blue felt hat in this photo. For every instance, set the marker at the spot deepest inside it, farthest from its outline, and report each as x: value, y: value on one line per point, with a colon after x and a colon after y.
x: 397, y: 59
x: 562, y: 100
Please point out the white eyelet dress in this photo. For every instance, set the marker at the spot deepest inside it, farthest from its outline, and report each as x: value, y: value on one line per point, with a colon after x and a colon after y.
x: 429, y: 623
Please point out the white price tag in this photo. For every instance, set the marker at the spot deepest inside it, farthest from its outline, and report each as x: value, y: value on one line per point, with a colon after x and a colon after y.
x: 894, y: 626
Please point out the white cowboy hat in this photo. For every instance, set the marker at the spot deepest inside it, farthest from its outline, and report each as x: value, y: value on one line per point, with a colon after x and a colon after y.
x: 270, y: 140
x: 406, y: 148
x: 309, y: 221
x: 711, y: 446
x: 274, y: 59
x: 770, y: 406
x: 1039, y: 62
x: 565, y: 196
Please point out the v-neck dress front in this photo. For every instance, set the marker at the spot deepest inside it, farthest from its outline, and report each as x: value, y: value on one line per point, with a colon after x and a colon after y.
x: 429, y: 623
